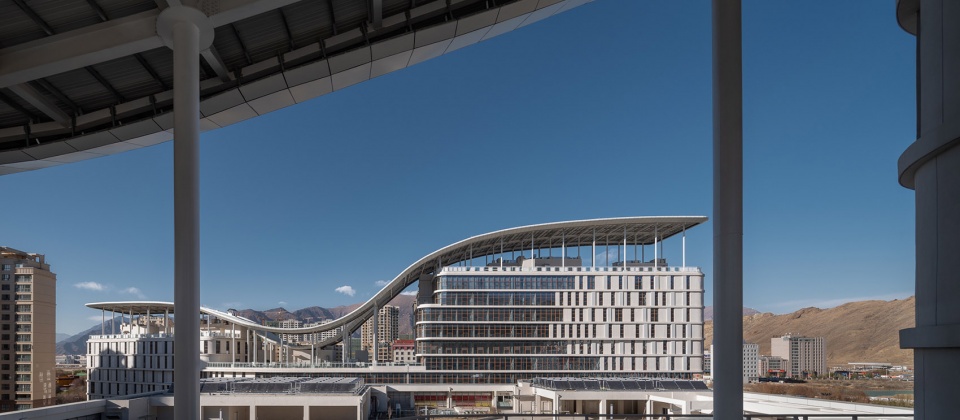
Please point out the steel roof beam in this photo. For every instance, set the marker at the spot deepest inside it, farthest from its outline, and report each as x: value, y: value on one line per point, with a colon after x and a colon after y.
x: 212, y: 57
x: 40, y: 102
x: 99, y: 10
x: 243, y: 47
x: 376, y: 13
x: 34, y: 17
x: 153, y: 73
x: 49, y: 87
x: 105, y: 41
x: 106, y: 84
x: 13, y: 104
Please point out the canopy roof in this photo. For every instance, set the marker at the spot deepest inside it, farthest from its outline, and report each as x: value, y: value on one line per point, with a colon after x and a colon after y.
x: 81, y: 79
x: 636, y: 230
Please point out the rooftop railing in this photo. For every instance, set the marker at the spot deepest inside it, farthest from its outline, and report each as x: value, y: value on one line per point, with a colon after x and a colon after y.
x: 448, y: 413
x: 480, y: 269
x: 129, y: 336
x: 308, y: 365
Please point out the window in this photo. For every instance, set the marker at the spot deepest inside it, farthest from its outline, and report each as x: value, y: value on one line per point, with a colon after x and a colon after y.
x: 618, y: 315
x: 654, y: 315
x: 628, y: 298
x: 601, y: 298
x: 621, y: 330
x: 7, y: 267
x: 591, y: 284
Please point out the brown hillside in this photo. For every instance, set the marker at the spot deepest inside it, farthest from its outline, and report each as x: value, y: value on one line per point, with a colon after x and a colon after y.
x: 865, y: 331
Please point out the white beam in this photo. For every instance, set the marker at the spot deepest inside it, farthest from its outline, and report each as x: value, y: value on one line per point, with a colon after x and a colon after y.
x: 80, y: 48
x: 106, y: 41
x: 46, y: 106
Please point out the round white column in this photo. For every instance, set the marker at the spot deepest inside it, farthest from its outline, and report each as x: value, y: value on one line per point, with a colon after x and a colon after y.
x: 186, y: 31
x: 931, y: 166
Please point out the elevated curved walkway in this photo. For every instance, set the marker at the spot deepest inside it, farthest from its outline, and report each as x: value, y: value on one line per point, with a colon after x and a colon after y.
x: 628, y: 230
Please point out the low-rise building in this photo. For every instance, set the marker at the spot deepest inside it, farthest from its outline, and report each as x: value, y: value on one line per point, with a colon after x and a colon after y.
x: 404, y: 351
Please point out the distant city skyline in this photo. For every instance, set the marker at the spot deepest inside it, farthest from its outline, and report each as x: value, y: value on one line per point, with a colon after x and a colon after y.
x: 597, y: 112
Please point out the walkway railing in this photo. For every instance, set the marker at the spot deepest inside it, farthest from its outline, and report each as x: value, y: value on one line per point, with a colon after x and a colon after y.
x: 301, y: 365
x: 521, y: 416
x: 481, y: 269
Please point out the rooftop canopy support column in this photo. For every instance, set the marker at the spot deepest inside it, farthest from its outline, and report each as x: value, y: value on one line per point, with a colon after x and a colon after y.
x: 931, y: 167
x: 375, y: 333
x: 727, y: 211
x: 186, y: 31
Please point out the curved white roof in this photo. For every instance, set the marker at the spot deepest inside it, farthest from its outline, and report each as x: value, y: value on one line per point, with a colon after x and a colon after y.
x: 637, y: 230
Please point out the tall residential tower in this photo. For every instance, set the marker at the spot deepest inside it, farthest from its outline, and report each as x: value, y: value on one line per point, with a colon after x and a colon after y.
x: 28, y: 306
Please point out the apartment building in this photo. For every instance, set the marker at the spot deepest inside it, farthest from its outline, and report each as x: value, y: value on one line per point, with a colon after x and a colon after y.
x: 751, y: 357
x: 388, y: 330
x: 28, y: 303
x: 804, y: 356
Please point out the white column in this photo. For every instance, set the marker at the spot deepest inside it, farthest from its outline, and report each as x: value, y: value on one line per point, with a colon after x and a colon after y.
x: 603, y: 407
x: 727, y: 211
x: 593, y: 256
x: 186, y: 31
x: 233, y: 345
x: 683, y: 247
x: 306, y: 412
x: 376, y: 335
x: 186, y: 158
x: 346, y: 344
x: 931, y: 167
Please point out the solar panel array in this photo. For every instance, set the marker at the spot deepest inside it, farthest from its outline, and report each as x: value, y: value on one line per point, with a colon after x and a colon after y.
x: 330, y: 385
x: 277, y: 385
x: 217, y: 385
x: 281, y: 385
x: 619, y: 384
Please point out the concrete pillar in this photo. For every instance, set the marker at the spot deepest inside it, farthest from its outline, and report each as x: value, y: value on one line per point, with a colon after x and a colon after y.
x: 376, y: 335
x: 186, y: 31
x: 727, y: 211
x: 253, y: 411
x: 648, y: 408
x: 931, y: 167
x: 537, y: 407
x: 306, y: 412
x: 603, y: 407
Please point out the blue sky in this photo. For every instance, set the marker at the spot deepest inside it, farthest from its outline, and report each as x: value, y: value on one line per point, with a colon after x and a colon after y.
x: 602, y: 111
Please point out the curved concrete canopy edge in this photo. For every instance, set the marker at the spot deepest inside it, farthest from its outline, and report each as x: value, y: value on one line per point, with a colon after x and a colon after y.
x: 276, y: 91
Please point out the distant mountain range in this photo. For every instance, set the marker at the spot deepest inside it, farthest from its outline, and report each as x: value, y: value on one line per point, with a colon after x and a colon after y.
x: 866, y: 331
x: 77, y: 344
x: 708, y: 312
